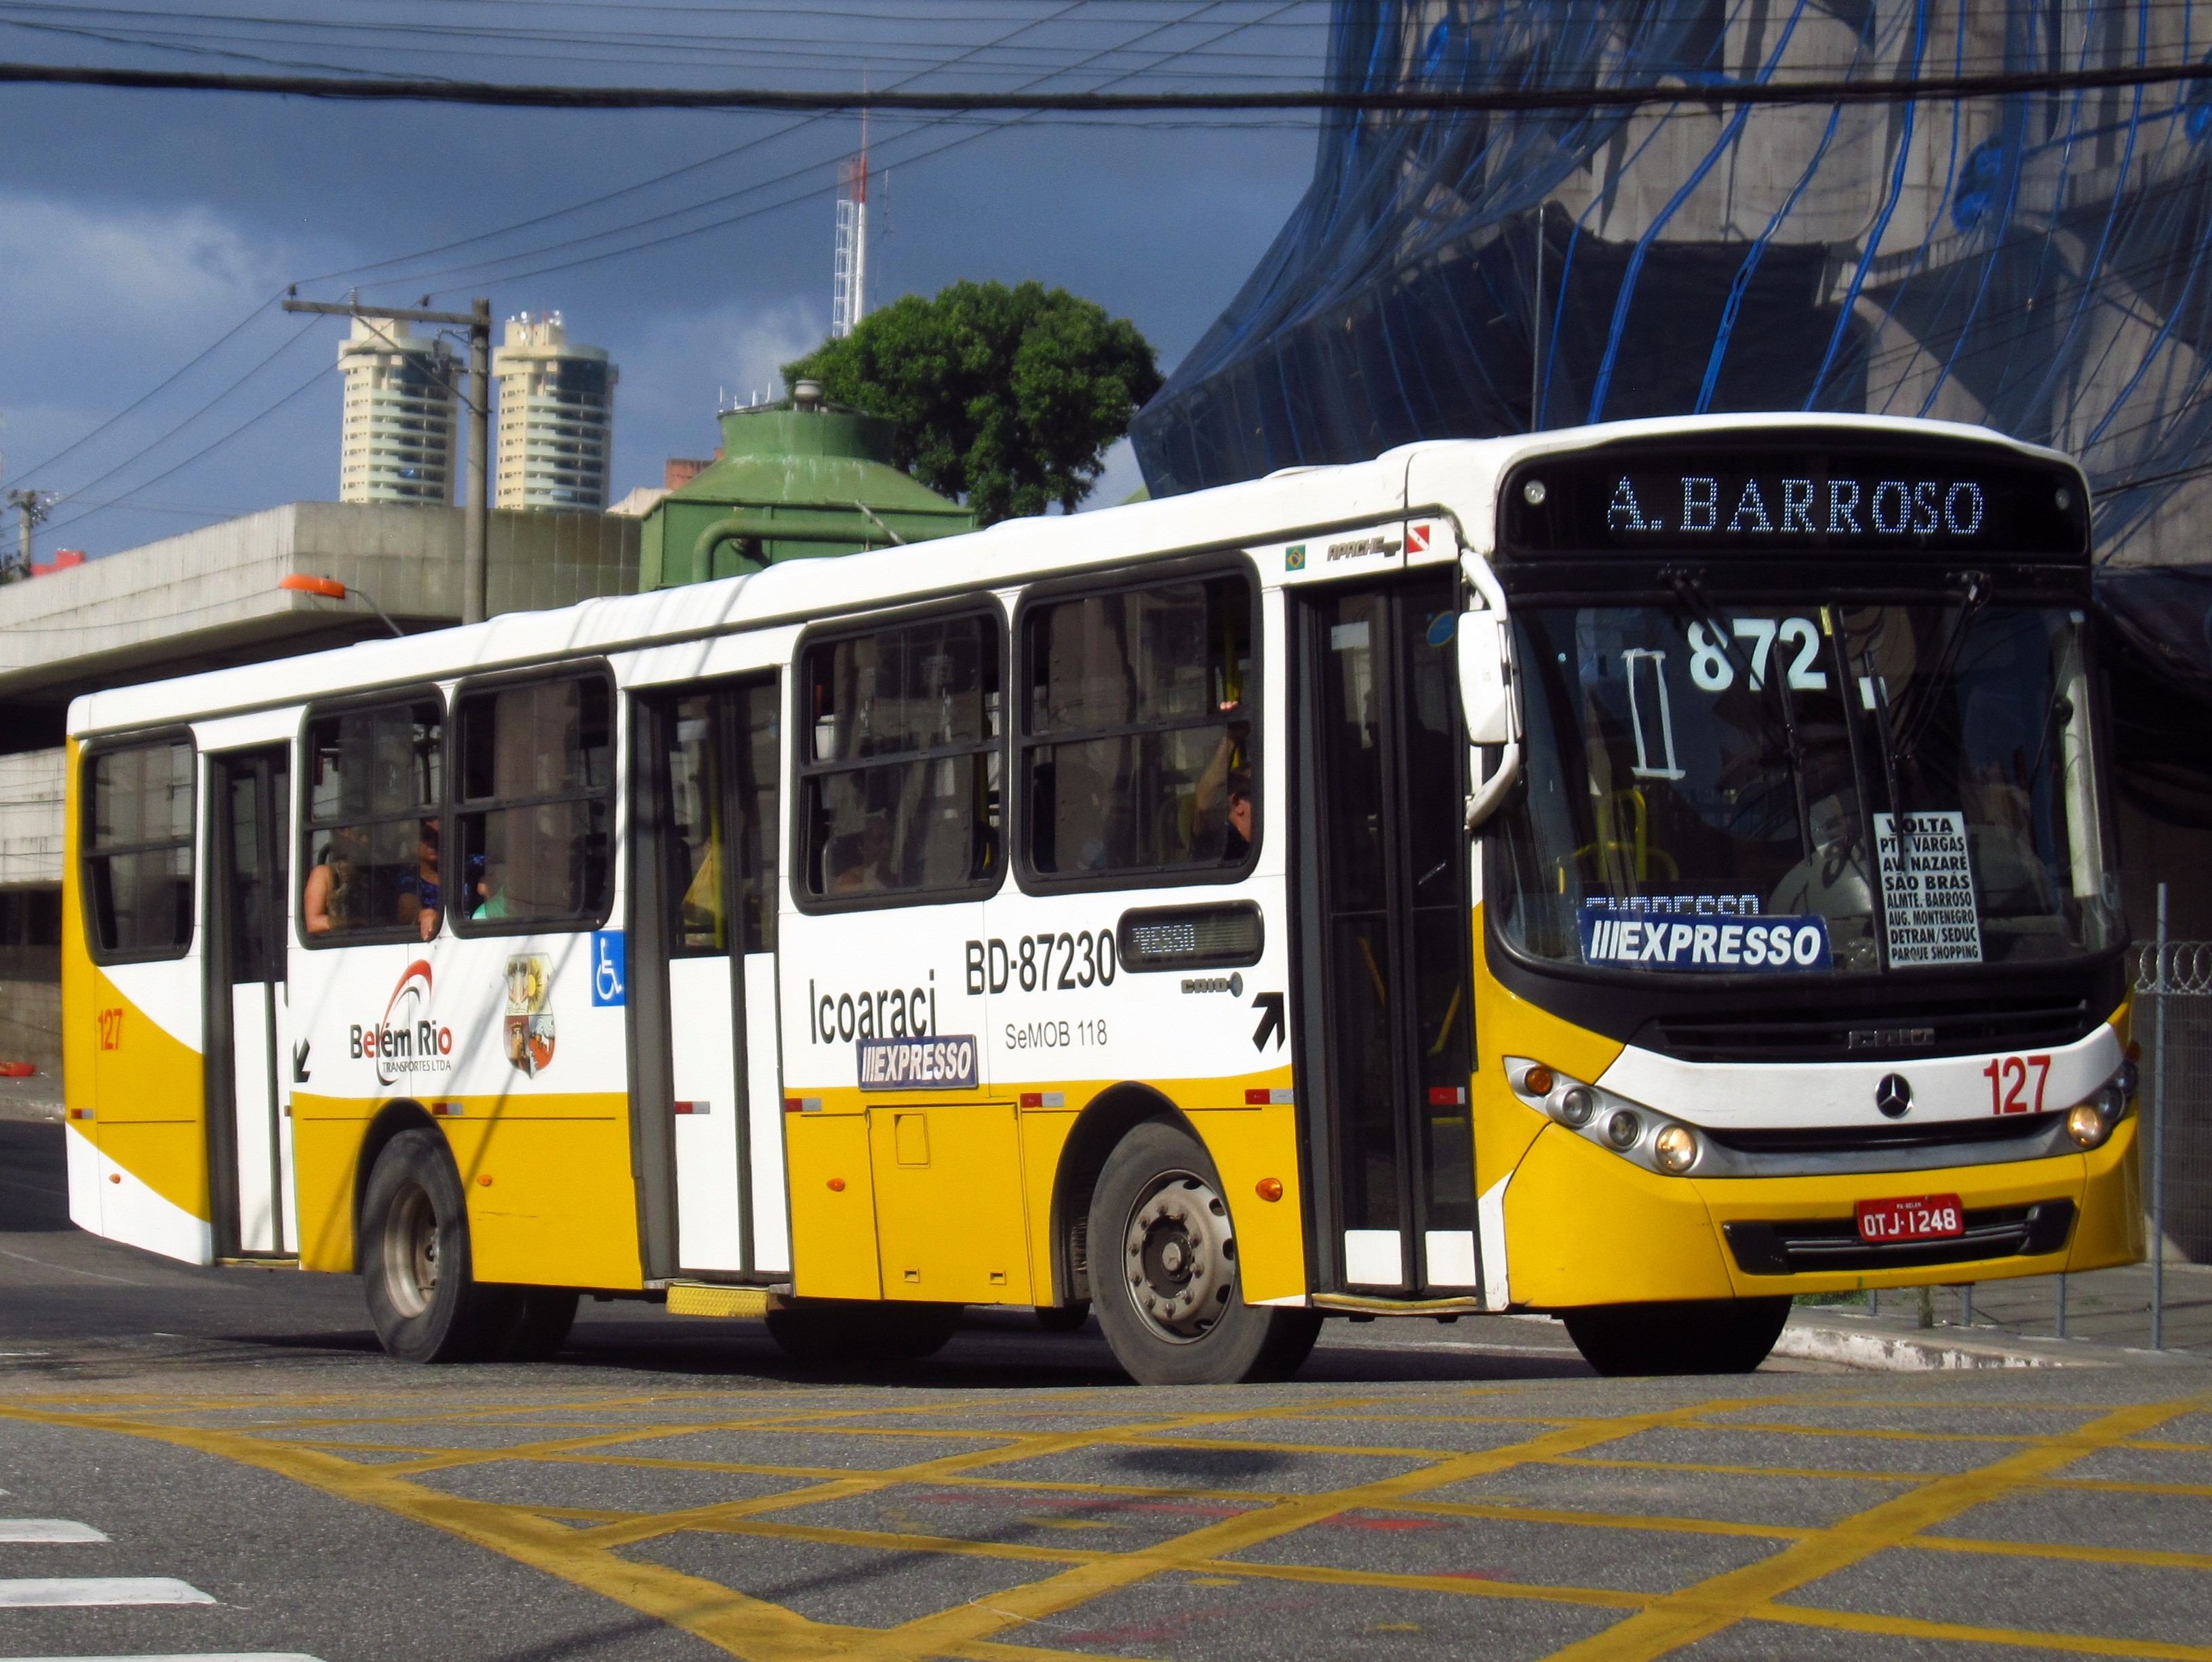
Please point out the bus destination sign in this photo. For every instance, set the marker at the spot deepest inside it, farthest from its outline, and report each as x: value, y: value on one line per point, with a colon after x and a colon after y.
x: 1952, y: 500
x: 1779, y: 506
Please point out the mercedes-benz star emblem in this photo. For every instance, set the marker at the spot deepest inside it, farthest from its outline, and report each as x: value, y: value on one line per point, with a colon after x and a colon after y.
x: 1894, y: 1095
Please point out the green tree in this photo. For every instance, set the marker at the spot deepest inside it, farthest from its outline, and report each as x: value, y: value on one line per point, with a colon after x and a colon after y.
x: 1008, y: 397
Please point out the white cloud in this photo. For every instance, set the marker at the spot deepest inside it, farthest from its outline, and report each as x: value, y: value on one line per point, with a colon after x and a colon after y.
x: 673, y: 370
x: 154, y: 274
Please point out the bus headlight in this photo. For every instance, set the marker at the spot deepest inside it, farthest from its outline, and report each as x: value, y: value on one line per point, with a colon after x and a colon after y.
x: 1574, y: 1105
x: 1676, y: 1148
x: 1622, y: 1129
x: 2087, y: 1125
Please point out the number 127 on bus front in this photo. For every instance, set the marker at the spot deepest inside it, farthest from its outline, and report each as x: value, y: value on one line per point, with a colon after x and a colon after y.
x: 2007, y: 1077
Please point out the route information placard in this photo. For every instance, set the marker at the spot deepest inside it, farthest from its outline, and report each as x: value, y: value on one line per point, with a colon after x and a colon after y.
x: 1928, y: 890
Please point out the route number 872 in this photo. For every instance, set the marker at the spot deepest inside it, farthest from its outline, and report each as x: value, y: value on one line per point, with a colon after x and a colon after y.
x: 2007, y: 1077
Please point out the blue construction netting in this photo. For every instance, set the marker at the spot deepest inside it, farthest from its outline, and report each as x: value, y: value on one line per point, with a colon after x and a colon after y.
x: 2034, y: 263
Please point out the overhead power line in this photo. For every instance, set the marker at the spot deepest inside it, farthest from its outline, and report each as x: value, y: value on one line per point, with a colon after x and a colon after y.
x: 1892, y: 89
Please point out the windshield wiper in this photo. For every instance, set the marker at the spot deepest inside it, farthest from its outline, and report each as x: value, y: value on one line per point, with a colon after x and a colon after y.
x: 1893, y: 756
x: 1929, y: 692
x: 1690, y: 593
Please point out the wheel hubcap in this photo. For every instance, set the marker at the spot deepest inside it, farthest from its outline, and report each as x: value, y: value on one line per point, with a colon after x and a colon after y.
x: 1180, y: 1257
x: 410, y: 1251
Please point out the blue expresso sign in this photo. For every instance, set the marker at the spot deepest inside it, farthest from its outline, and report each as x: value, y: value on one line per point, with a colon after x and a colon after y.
x: 1943, y: 499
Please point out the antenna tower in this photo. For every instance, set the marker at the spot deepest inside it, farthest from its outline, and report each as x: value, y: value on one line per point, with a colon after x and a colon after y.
x: 849, y: 293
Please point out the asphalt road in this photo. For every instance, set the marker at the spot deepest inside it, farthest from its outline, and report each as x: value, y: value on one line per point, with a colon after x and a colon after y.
x: 672, y: 1488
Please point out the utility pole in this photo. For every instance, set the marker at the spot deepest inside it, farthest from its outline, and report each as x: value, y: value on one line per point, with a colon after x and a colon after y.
x: 32, y: 505
x: 477, y: 321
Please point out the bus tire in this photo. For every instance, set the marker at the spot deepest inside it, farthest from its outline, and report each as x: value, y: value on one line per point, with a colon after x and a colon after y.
x: 1064, y: 1318
x: 544, y: 1316
x: 416, y: 1266
x: 1700, y: 1336
x: 862, y: 1332
x: 1164, y: 1272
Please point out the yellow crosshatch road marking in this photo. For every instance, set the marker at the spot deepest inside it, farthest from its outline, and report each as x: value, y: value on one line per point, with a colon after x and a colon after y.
x: 1075, y: 1560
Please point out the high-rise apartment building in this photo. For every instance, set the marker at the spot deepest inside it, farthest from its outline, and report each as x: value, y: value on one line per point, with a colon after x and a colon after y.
x: 555, y: 417
x: 401, y: 396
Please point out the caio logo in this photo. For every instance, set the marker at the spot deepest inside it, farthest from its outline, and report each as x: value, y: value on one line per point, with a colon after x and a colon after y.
x: 407, y: 1040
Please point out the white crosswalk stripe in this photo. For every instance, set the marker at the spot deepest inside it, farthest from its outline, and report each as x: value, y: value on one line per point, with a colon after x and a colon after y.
x: 79, y: 1592
x: 66, y: 1591
x: 44, y: 1532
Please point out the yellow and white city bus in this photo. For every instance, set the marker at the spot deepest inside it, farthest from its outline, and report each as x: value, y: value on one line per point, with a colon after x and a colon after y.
x: 1639, y: 873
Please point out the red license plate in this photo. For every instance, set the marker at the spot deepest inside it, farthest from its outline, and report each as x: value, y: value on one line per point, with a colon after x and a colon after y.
x: 1915, y: 1217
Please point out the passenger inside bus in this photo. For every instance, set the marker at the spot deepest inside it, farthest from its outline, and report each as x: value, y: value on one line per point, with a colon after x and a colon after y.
x: 1221, y: 801
x: 328, y: 899
x: 420, y: 897
x: 490, y: 886
x: 860, y: 863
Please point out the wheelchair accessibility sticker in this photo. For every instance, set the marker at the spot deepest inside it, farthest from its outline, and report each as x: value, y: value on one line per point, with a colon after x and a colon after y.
x: 610, y: 968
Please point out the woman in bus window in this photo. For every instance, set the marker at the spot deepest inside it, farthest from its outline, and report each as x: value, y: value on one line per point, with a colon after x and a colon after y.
x: 326, y: 901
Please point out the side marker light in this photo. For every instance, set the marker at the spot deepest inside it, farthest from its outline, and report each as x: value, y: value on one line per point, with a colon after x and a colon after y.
x: 1268, y: 1188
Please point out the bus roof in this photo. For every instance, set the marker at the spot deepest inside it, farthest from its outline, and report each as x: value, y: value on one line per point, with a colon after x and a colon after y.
x: 1457, y: 476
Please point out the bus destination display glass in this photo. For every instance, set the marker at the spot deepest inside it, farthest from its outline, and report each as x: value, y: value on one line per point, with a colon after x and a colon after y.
x: 1947, y: 500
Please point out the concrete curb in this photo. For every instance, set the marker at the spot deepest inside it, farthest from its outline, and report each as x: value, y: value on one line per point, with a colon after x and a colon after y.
x: 1877, y: 1346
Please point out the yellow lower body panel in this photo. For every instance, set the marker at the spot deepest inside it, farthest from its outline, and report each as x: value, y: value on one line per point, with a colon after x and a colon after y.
x: 1582, y: 1226
x: 550, y: 1198
x: 1251, y: 1146
x: 833, y: 1206
x: 1585, y: 1227
x: 949, y: 1211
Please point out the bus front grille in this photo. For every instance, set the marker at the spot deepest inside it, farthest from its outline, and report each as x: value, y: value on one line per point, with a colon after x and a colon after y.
x: 1864, y: 1036
x: 1827, y: 1246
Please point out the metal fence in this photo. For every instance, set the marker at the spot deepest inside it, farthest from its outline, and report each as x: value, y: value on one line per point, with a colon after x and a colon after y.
x: 2165, y: 1301
x: 2173, y: 1023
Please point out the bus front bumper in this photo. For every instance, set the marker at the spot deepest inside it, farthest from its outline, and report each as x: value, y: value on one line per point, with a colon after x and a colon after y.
x: 1584, y: 1227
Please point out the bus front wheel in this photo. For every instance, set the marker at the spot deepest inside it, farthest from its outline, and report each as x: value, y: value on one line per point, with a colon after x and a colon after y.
x: 1700, y: 1336
x: 425, y: 1302
x: 1165, y: 1279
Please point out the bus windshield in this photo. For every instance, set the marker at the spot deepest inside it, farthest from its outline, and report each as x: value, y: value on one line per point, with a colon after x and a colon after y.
x: 1716, y: 787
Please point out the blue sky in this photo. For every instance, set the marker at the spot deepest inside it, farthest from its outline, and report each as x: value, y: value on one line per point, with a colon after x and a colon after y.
x: 137, y: 228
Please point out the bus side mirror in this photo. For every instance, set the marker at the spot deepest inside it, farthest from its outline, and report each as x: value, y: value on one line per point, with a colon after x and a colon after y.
x: 1485, y: 691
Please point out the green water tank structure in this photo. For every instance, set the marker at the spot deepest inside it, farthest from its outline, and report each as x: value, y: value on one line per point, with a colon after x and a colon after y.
x: 798, y: 480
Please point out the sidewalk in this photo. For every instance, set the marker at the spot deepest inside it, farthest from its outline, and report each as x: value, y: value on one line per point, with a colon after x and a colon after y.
x: 38, y: 1097
x: 2015, y: 1323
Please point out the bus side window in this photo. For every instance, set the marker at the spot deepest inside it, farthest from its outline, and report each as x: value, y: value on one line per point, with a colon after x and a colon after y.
x: 534, y: 803
x: 900, y: 774
x: 374, y: 868
x: 138, y: 852
x: 1138, y: 752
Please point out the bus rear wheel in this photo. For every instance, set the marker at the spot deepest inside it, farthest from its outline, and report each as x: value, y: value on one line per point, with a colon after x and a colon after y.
x: 544, y: 1316
x: 424, y: 1296
x: 862, y: 1332
x: 1164, y: 1274
x: 1698, y: 1336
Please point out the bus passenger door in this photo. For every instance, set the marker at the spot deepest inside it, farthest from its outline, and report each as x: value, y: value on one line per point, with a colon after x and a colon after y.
x: 1380, y: 870
x: 250, y: 1141
x: 714, y: 833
